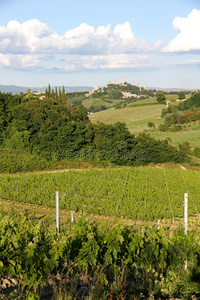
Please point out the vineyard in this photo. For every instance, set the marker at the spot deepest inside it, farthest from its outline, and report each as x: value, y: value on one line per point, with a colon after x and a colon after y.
x: 137, y: 193
x: 101, y: 261
x: 93, y: 262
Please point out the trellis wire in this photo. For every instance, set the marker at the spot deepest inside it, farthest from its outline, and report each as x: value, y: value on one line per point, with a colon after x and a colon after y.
x: 145, y: 208
x: 197, y: 212
x: 168, y: 194
x: 98, y: 188
x: 122, y: 191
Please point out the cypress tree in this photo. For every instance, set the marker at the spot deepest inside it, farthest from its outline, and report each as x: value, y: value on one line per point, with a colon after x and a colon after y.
x: 53, y: 94
x: 56, y: 94
x: 64, y: 98
x: 49, y: 90
x: 60, y: 94
x: 46, y: 94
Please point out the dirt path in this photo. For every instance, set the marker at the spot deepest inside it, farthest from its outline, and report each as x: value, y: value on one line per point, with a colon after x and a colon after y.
x: 42, y: 212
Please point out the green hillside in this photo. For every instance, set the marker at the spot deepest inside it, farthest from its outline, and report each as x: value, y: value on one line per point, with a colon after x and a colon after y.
x: 136, y: 115
x: 191, y: 135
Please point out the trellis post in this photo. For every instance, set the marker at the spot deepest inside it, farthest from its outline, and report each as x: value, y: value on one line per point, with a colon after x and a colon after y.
x: 186, y: 219
x: 186, y: 212
x: 72, y: 216
x: 57, y: 211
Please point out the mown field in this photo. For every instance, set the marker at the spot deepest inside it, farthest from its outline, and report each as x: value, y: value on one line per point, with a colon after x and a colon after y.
x: 98, y: 101
x: 137, y: 115
x: 191, y: 135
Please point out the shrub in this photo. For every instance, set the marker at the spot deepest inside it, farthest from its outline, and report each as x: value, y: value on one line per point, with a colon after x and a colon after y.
x: 196, y: 152
x: 163, y: 127
x: 150, y: 124
x: 176, y: 128
x: 12, y: 161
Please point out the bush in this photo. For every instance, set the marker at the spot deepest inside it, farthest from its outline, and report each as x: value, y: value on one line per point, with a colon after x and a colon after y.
x: 160, y: 97
x: 176, y: 128
x: 151, y: 124
x: 196, y: 152
x: 163, y: 127
x: 12, y: 161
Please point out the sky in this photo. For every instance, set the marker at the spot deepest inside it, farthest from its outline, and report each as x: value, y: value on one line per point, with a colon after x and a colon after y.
x: 88, y: 43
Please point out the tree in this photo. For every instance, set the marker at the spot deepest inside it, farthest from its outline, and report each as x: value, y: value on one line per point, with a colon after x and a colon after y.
x: 56, y: 93
x: 49, y: 90
x: 53, y: 94
x: 151, y: 124
x: 29, y: 94
x: 46, y: 94
x: 60, y: 94
x: 181, y: 95
x: 160, y: 97
x: 63, y: 95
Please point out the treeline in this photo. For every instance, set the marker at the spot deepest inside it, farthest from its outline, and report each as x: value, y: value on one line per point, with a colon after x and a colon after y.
x: 185, y: 112
x: 57, y: 95
x: 114, y: 91
x: 57, y: 130
x: 192, y: 102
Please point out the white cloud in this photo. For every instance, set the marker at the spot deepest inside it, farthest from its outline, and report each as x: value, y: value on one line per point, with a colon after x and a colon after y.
x: 110, y: 61
x: 34, y: 44
x: 19, y: 61
x: 188, y: 38
x: 35, y: 37
x: 23, y: 38
x: 4, y: 60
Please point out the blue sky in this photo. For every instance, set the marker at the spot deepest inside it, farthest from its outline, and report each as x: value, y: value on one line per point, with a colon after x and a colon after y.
x: 61, y: 42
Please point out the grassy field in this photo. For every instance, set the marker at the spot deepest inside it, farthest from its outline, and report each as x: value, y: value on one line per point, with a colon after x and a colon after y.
x: 97, y: 102
x: 136, y: 117
x: 138, y: 114
x: 191, y: 136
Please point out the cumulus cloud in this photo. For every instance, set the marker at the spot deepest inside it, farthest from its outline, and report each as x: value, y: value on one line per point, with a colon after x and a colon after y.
x: 23, y: 38
x: 19, y: 60
x: 188, y: 38
x: 35, y: 37
x: 31, y: 43
x: 111, y: 61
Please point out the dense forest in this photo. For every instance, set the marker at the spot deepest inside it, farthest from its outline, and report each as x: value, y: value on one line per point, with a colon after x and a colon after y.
x: 54, y: 130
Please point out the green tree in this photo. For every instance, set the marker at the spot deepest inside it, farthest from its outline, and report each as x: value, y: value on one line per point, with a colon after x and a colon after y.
x: 63, y: 96
x: 151, y: 124
x: 46, y: 94
x: 49, y: 90
x: 56, y: 94
x: 60, y: 94
x: 53, y: 94
x: 181, y: 95
x: 160, y: 97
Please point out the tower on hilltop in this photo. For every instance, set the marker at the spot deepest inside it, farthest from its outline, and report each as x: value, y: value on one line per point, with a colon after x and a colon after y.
x: 123, y: 80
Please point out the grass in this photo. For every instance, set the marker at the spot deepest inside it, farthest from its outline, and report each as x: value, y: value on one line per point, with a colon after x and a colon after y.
x: 138, y: 114
x: 190, y: 136
x: 136, y: 118
x: 97, y: 102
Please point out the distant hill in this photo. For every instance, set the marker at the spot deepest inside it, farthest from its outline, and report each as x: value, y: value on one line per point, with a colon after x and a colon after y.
x: 169, y: 89
x: 22, y: 89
